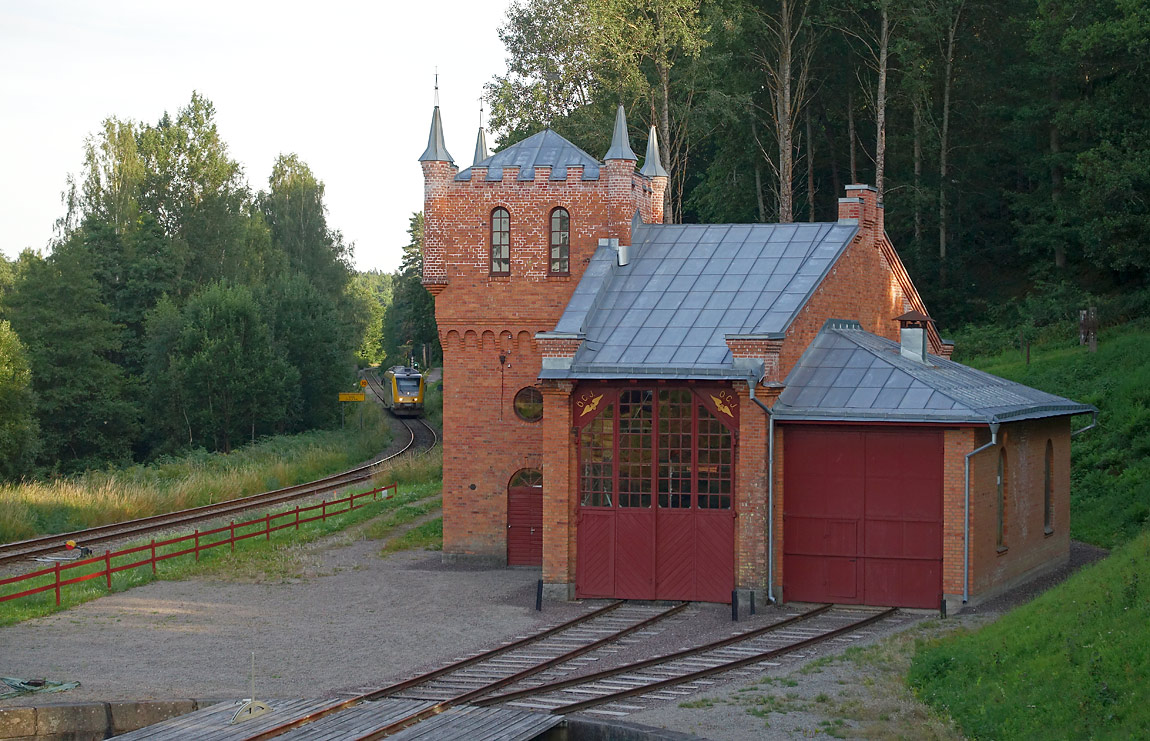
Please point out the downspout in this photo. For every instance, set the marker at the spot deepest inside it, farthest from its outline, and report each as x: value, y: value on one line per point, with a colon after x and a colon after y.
x: 1093, y: 423
x: 966, y: 511
x: 751, y: 383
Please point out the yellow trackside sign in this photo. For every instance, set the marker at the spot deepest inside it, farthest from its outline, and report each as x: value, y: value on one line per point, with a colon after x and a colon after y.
x: 353, y: 396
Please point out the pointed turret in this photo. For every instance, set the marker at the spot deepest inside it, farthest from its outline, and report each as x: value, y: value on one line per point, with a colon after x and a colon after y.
x: 652, y: 167
x: 480, y: 147
x: 436, y: 150
x: 620, y: 146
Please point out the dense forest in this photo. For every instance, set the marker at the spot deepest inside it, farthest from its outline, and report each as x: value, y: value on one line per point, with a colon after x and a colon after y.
x: 178, y: 309
x: 1009, y: 140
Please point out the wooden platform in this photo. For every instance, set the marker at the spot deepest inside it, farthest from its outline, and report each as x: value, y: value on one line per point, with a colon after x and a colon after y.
x: 464, y: 722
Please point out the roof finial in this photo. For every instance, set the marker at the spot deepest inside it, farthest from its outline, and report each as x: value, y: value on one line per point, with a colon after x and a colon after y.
x: 436, y: 148
x: 652, y: 167
x: 480, y: 140
x: 620, y: 144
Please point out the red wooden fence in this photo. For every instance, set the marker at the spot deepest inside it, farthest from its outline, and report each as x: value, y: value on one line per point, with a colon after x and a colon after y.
x: 268, y: 524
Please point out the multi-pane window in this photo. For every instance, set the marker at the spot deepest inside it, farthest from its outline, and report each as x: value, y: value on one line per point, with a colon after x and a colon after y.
x: 560, y: 241
x: 714, y: 444
x: 635, y: 419
x: 1048, y: 491
x: 500, y: 242
x: 597, y: 457
x: 1000, y: 539
x: 675, y: 488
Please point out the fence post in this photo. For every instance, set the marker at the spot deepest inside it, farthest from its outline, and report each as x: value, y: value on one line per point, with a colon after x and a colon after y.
x: 153, y: 556
x: 57, y: 584
x: 108, y: 567
x: 232, y: 534
x: 268, y: 527
x: 323, y: 511
x: 297, y: 517
x: 197, y: 544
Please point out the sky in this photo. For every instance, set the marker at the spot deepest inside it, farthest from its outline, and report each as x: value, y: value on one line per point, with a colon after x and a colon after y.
x: 347, y: 86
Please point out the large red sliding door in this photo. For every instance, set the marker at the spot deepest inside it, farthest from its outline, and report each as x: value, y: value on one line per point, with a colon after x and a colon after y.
x: 656, y: 517
x: 863, y: 515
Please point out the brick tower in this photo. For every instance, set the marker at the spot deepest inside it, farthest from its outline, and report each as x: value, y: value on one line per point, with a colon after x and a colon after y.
x: 506, y: 242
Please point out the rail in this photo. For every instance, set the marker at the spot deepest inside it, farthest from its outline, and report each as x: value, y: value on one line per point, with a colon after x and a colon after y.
x: 270, y: 523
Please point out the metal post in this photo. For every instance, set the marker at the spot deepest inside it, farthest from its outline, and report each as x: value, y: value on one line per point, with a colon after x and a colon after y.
x: 734, y: 605
x: 752, y: 602
x: 539, y: 596
x: 942, y: 607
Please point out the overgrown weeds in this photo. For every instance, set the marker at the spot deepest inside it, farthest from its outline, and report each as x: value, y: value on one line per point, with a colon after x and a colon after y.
x: 96, y: 498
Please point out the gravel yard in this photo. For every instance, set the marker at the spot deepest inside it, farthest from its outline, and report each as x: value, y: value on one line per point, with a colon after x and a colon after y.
x: 353, y: 620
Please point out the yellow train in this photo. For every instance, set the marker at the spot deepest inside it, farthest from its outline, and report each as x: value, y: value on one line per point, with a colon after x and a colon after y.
x: 403, y: 391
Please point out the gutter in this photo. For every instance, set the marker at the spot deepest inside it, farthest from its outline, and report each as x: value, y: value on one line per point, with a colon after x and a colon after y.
x: 1092, y: 425
x: 966, y: 511
x: 751, y: 383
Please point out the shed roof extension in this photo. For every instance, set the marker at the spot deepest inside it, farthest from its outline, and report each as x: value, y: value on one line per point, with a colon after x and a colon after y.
x: 849, y: 374
x: 666, y: 313
x: 545, y: 149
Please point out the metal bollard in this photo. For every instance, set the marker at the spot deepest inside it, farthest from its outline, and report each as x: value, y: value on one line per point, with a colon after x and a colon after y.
x: 752, y: 602
x: 734, y: 605
x: 539, y: 596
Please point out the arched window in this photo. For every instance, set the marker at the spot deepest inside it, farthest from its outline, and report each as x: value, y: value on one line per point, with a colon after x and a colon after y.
x: 1000, y: 539
x: 1048, y: 491
x: 500, y: 242
x: 560, y: 242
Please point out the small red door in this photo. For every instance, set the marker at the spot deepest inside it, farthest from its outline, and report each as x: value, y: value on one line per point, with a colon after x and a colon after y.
x: 525, y: 519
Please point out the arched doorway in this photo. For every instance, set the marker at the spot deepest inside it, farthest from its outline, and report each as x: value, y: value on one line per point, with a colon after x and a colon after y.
x: 525, y: 518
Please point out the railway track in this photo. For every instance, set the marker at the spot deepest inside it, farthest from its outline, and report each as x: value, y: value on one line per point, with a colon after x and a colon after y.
x: 422, y: 438
x: 548, y: 671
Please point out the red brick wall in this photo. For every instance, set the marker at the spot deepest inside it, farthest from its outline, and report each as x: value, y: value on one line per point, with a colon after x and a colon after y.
x: 751, y: 494
x: 559, y: 485
x: 1028, y: 547
x: 481, y: 316
x: 868, y: 283
x: 956, y: 443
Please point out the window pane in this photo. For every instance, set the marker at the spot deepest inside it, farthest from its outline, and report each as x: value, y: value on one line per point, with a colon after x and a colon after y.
x: 500, y: 241
x: 714, y: 445
x: 597, y: 459
x: 529, y: 404
x: 635, y: 464
x: 560, y: 241
x: 675, y: 490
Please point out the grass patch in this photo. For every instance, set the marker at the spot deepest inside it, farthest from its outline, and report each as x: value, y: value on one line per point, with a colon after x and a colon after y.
x: 428, y: 536
x: 433, y: 403
x: 1074, y: 663
x: 100, y: 497
x: 254, y: 559
x: 1110, y: 473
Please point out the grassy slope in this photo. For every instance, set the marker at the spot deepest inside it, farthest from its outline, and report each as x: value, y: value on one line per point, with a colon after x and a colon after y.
x: 100, y: 497
x: 1075, y: 662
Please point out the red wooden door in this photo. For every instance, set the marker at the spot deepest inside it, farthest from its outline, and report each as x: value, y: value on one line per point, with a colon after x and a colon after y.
x: 525, y: 519
x: 863, y: 516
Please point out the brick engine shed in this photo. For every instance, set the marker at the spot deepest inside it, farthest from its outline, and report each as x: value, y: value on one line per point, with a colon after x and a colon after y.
x: 674, y: 411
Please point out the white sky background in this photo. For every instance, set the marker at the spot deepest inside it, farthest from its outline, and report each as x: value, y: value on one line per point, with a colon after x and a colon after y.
x: 346, y: 86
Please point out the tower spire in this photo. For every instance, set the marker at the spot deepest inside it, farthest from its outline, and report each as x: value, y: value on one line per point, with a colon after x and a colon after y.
x: 620, y: 144
x: 436, y: 148
x: 652, y: 167
x: 481, y: 140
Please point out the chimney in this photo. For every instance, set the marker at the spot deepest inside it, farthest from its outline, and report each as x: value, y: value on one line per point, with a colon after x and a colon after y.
x: 862, y: 203
x: 913, y: 336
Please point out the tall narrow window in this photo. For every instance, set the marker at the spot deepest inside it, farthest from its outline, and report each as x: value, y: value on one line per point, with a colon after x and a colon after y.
x: 1048, y: 491
x: 1002, y: 490
x: 500, y: 242
x: 560, y: 242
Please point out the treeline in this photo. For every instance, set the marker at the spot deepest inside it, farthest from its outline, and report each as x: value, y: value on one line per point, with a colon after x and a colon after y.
x: 1009, y: 139
x: 177, y: 308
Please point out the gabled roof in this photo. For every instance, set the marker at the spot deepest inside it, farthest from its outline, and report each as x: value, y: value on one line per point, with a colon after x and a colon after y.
x: 667, y: 312
x: 545, y: 149
x: 849, y: 374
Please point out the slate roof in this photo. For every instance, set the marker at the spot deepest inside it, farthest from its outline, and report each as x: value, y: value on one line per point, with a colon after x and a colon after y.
x: 849, y: 374
x: 543, y: 149
x: 665, y: 314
